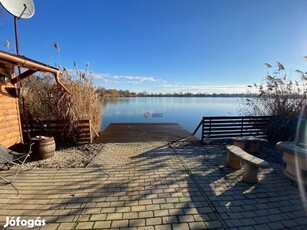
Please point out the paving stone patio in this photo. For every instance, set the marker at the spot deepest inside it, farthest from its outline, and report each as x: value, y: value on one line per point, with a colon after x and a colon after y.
x: 155, y: 185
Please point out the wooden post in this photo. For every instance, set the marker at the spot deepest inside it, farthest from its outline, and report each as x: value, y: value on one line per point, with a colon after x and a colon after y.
x: 90, y: 130
x: 202, y: 130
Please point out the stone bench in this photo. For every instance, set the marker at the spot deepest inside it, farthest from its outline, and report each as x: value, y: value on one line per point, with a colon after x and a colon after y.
x: 234, y: 157
x: 295, y: 158
x: 255, y: 142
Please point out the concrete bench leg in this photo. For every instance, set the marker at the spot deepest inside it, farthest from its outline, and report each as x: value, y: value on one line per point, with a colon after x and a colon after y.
x: 239, y: 143
x: 254, y: 147
x: 233, y: 161
x: 250, y: 174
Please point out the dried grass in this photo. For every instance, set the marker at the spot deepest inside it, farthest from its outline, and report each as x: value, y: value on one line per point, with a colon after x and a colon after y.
x: 48, y: 101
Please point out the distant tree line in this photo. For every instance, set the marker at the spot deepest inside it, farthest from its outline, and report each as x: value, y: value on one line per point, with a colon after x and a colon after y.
x: 113, y: 93
x: 188, y: 94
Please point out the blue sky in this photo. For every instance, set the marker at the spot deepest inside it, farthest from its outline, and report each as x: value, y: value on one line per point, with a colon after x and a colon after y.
x: 166, y: 45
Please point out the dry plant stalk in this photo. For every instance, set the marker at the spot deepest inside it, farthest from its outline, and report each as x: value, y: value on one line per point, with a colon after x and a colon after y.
x: 47, y: 101
x: 282, y: 98
x: 279, y: 96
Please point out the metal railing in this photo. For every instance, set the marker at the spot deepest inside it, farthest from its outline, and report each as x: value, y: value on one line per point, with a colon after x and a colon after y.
x: 221, y: 127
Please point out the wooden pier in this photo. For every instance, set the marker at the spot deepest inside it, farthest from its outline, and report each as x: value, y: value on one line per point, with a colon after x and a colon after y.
x: 144, y: 132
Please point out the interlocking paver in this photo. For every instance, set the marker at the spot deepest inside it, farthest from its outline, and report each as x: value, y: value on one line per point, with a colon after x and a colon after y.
x: 198, y: 225
x: 155, y: 186
x: 66, y: 226
x: 152, y: 207
x: 138, y: 208
x: 84, y: 225
x: 120, y: 223
x: 153, y: 221
x: 114, y: 216
x: 180, y: 226
x: 170, y: 219
x: 146, y: 214
x: 163, y: 227
x: 98, y: 217
x: 102, y: 224
x: 186, y: 218
x: 130, y: 215
x: 158, y: 213
x: 146, y: 228
x: 137, y: 222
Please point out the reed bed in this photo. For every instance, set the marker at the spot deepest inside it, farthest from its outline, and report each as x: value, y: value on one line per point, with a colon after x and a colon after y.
x: 48, y: 101
x: 282, y: 96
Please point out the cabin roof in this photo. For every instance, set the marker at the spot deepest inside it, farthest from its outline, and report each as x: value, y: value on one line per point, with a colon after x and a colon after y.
x: 8, y: 61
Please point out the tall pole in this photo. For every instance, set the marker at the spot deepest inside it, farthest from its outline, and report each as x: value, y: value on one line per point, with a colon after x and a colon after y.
x: 22, y: 96
x: 16, y: 36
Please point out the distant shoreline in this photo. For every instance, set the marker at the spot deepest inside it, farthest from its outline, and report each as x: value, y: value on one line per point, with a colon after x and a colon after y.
x: 193, y: 95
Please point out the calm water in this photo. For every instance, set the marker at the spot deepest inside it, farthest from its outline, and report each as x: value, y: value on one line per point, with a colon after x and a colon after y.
x: 186, y: 111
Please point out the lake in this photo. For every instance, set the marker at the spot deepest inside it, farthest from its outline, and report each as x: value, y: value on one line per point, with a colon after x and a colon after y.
x: 186, y: 111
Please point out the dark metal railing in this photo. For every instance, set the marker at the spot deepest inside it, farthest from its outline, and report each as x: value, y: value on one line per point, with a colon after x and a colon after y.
x: 220, y: 127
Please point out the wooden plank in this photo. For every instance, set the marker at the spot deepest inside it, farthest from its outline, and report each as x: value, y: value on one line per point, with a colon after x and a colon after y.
x: 62, y: 121
x: 8, y: 129
x: 4, y: 94
x: 22, y: 76
x: 94, y: 130
x: 6, y: 113
x: 4, y: 124
x: 10, y: 142
x: 85, y: 135
x: 4, y: 91
x: 47, y: 128
x: 12, y: 135
x: 8, y: 118
x: 143, y: 132
x: 6, y: 100
x: 59, y: 129
x: 7, y: 106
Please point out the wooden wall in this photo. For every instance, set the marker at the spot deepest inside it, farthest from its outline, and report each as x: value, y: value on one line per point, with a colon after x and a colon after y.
x: 10, y: 125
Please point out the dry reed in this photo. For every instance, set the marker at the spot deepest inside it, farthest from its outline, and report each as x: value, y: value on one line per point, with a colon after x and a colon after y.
x: 48, y: 101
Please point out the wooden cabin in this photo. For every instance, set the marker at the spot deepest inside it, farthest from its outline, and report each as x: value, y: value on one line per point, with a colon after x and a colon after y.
x: 10, y: 123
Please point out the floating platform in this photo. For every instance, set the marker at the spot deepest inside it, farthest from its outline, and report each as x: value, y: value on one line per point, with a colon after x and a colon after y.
x: 144, y: 132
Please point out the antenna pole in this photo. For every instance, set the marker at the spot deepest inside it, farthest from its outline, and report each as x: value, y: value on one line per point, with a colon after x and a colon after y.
x: 16, y: 35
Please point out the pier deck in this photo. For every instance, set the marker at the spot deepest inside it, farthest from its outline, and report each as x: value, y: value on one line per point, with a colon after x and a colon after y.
x: 143, y: 132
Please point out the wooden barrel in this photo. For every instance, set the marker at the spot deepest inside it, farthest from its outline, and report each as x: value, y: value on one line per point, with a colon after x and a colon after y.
x: 43, y: 148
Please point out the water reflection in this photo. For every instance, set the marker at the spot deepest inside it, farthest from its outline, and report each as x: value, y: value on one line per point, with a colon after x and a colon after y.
x: 186, y: 111
x: 114, y: 101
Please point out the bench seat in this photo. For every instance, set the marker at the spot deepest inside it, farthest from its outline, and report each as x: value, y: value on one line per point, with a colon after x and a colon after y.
x: 255, y: 142
x: 234, y: 157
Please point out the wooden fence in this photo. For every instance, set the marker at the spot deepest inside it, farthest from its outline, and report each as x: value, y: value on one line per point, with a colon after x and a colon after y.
x: 79, y: 132
x: 233, y: 126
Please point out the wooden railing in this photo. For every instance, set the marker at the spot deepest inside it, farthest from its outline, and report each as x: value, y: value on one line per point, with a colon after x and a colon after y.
x: 80, y: 132
x: 222, y: 127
